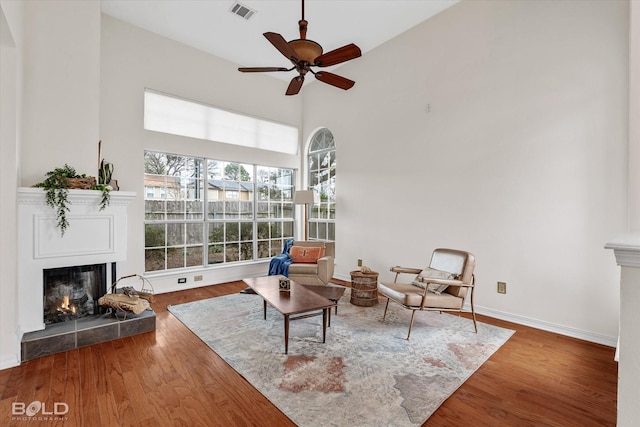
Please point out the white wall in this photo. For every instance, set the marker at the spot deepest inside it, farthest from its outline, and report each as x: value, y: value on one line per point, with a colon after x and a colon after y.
x: 11, y: 18
x: 61, y: 87
x: 634, y: 113
x: 134, y: 59
x: 521, y: 159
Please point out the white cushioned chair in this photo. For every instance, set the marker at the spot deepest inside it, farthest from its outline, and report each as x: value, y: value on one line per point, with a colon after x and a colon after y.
x: 319, y: 273
x: 443, y: 286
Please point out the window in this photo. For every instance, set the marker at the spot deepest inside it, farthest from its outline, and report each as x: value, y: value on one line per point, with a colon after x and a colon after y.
x: 209, y: 212
x: 170, y: 114
x: 321, y: 163
x: 275, y: 208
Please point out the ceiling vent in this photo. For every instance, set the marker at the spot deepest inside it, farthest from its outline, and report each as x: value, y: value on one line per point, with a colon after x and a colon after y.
x: 242, y: 11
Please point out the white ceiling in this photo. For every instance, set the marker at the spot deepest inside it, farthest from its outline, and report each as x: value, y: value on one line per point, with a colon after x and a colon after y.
x: 209, y: 25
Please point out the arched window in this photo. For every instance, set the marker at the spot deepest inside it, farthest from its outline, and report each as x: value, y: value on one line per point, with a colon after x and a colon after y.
x: 321, y: 164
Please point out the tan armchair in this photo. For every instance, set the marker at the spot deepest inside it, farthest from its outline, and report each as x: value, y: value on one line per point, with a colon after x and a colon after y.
x: 314, y: 274
x: 443, y: 286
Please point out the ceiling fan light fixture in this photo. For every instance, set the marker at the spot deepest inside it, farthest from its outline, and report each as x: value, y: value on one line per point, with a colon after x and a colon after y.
x: 307, y: 50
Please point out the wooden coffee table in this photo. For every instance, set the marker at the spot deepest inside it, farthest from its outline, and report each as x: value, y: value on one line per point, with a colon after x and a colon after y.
x: 299, y: 303
x: 329, y: 291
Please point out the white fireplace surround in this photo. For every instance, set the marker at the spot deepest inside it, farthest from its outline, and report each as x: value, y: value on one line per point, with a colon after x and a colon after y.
x: 93, y: 237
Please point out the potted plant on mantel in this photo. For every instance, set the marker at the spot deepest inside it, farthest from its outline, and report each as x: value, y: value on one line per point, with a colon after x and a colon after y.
x: 60, y: 180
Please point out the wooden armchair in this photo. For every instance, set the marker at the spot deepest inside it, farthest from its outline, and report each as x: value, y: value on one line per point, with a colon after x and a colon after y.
x: 443, y: 286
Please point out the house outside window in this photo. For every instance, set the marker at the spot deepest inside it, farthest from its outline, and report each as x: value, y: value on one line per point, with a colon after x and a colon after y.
x: 321, y: 164
x: 214, y: 212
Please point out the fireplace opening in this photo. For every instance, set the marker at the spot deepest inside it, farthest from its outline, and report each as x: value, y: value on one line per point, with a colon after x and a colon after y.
x: 71, y: 293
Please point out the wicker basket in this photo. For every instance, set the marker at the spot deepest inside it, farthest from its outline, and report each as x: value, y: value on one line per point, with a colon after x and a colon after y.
x: 364, y: 288
x: 81, y: 183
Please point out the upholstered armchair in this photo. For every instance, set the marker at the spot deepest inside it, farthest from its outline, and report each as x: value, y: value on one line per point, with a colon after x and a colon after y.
x: 305, y: 269
x: 443, y: 286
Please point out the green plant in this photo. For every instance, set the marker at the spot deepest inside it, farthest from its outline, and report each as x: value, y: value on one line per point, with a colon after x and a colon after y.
x: 105, y: 172
x: 105, y: 189
x: 56, y: 186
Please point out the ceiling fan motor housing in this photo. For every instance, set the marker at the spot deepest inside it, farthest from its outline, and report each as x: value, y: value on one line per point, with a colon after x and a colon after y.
x: 307, y: 50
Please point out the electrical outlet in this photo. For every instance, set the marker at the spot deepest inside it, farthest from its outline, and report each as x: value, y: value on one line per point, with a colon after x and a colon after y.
x: 359, y: 263
x: 197, y: 278
x: 502, y: 287
x: 182, y: 280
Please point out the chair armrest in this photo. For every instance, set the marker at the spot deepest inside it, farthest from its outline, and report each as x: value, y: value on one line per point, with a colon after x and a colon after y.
x: 398, y: 270
x: 325, y: 268
x: 450, y: 282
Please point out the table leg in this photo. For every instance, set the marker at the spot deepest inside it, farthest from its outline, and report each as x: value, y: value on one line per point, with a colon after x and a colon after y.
x: 265, y: 308
x: 286, y: 334
x: 324, y: 323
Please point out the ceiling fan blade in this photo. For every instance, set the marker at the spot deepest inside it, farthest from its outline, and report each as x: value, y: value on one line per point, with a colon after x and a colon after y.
x: 295, y: 85
x: 339, y: 55
x: 281, y: 44
x: 334, y: 80
x: 262, y: 69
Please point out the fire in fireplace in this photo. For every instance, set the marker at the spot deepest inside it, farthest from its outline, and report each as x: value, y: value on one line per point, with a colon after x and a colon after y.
x: 71, y: 293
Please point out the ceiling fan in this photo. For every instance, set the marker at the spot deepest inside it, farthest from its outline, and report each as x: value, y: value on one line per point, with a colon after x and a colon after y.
x: 304, y: 54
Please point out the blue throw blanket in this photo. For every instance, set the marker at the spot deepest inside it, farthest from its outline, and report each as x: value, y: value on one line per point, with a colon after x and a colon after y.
x: 280, y: 264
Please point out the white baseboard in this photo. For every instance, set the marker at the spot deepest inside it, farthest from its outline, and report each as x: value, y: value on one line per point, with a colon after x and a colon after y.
x: 8, y: 361
x: 538, y: 324
x: 168, y: 281
x: 548, y: 326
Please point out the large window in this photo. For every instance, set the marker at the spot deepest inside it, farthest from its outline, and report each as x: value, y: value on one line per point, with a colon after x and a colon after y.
x: 201, y: 212
x: 321, y: 163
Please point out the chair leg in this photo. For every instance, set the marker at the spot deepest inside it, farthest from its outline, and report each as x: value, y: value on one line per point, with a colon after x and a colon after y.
x: 413, y: 313
x: 473, y: 313
x: 385, y: 310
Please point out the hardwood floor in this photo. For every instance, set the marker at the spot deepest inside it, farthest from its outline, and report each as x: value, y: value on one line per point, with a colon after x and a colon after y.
x: 170, y: 378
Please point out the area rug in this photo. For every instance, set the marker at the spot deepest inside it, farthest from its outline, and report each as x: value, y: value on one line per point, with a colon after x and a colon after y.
x: 365, y: 374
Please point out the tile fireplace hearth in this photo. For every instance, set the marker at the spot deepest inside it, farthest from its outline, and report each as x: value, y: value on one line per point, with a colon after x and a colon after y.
x: 89, y: 330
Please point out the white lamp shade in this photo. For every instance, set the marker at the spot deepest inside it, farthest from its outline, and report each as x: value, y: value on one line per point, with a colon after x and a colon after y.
x: 303, y: 197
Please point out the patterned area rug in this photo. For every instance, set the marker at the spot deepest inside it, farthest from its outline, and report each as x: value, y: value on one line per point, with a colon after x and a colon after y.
x: 365, y: 374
